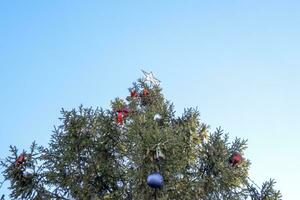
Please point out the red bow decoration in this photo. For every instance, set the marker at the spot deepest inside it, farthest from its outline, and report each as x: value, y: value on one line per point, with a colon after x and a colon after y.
x: 145, y: 92
x: 120, y: 118
x: 133, y: 93
x: 20, y: 160
x: 122, y: 113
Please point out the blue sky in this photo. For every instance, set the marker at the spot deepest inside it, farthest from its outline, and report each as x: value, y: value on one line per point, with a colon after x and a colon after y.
x: 238, y: 61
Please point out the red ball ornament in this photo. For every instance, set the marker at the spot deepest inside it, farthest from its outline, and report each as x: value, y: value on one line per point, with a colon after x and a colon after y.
x: 235, y: 159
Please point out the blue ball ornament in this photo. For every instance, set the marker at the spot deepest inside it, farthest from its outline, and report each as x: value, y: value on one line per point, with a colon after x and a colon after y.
x: 155, y: 180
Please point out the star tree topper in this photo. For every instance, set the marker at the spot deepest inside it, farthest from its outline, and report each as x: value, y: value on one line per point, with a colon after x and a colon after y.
x: 150, y: 78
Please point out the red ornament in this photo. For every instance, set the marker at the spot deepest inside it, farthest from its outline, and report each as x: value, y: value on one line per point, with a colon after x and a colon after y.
x: 121, y: 114
x: 145, y: 92
x: 133, y: 93
x: 120, y: 118
x: 20, y: 160
x: 235, y: 159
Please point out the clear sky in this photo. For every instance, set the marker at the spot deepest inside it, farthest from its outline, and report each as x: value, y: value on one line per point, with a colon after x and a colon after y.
x: 237, y: 60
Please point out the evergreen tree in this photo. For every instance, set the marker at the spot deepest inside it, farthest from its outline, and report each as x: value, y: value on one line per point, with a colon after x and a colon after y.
x: 125, y: 151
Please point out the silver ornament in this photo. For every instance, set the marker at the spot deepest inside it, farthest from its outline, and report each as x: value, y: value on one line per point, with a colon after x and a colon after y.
x: 28, y: 172
x: 157, y: 117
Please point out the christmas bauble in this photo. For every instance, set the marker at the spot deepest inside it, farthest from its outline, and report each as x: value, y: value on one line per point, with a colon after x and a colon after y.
x: 28, y: 172
x: 157, y: 117
x: 235, y: 159
x: 155, y: 180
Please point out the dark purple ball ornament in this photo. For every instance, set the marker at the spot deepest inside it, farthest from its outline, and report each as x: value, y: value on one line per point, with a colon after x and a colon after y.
x: 155, y: 180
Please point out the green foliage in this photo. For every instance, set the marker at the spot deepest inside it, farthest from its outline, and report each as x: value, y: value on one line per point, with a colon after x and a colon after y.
x: 91, y: 156
x: 27, y: 180
x: 83, y: 154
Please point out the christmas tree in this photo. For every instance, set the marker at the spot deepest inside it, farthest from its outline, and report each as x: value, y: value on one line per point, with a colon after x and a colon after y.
x: 137, y: 149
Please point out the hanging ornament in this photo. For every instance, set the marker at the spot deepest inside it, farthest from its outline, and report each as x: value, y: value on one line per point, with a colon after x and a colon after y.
x: 133, y: 94
x: 145, y: 92
x: 157, y: 117
x: 120, y: 118
x: 20, y: 160
x: 28, y: 172
x: 155, y: 180
x: 121, y: 114
x: 235, y: 159
x: 150, y: 78
x: 159, y: 154
x: 125, y: 111
x: 144, y: 97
